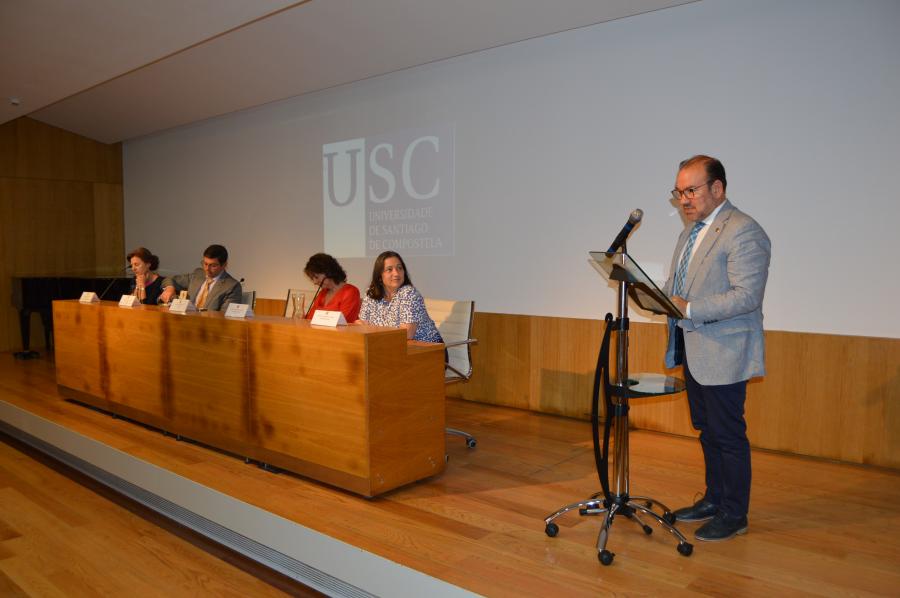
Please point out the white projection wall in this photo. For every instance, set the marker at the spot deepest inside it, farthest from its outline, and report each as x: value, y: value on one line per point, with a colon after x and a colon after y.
x: 557, y: 139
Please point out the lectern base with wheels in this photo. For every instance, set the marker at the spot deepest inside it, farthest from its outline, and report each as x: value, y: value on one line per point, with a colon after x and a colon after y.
x: 615, y: 498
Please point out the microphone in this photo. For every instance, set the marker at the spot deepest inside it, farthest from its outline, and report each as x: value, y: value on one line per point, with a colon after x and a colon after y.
x: 309, y: 309
x: 633, y: 219
x: 113, y: 280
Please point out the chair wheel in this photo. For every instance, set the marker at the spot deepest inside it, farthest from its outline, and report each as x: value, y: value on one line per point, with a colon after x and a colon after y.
x: 471, y: 442
x: 669, y: 517
x: 606, y: 557
x: 551, y: 530
x: 685, y: 549
x: 648, y: 530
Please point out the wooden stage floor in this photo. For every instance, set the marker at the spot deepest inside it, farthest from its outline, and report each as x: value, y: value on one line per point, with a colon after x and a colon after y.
x: 816, y: 528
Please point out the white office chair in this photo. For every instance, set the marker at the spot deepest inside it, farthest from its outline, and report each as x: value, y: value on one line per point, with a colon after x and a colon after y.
x: 249, y: 298
x: 454, y: 321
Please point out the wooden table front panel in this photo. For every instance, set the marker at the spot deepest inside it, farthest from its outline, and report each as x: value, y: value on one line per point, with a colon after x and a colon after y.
x: 137, y: 362
x: 80, y: 349
x: 406, y: 411
x: 355, y: 407
x: 208, y: 378
x: 309, y: 395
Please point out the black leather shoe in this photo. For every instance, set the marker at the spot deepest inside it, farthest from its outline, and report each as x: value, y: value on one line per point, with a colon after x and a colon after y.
x: 722, y: 527
x: 699, y: 511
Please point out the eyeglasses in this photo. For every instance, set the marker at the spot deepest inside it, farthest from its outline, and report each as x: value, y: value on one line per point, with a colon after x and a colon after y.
x: 690, y: 192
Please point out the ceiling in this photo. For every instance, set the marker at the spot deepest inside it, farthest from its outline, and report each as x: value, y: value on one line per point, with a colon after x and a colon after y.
x: 113, y: 70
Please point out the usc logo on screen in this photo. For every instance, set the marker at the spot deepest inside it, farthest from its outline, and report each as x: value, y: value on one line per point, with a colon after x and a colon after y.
x: 391, y: 191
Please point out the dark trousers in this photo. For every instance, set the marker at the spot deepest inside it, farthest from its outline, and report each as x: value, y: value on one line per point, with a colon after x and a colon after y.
x: 718, y: 412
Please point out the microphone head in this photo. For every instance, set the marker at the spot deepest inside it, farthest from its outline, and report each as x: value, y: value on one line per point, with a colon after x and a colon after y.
x: 636, y: 216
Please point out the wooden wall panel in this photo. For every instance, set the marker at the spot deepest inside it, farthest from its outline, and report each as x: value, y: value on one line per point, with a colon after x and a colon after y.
x: 828, y: 396
x: 8, y: 149
x: 47, y: 152
x: 52, y: 227
x: 269, y: 307
x: 8, y: 316
x: 61, y: 211
x: 109, y: 228
x: 507, y: 362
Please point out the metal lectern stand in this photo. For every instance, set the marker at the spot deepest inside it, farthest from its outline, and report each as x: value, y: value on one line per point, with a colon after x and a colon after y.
x: 616, y: 499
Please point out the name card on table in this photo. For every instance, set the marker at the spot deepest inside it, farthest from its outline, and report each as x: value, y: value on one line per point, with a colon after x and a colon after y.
x: 182, y: 306
x: 128, y: 301
x: 238, y: 310
x: 328, y: 318
x: 89, y: 297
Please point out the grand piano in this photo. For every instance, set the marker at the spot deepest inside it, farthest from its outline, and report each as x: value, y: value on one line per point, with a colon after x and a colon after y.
x: 35, y: 294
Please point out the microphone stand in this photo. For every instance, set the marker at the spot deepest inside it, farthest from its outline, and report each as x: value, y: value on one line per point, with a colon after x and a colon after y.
x: 618, y: 500
x: 113, y: 280
x: 313, y: 301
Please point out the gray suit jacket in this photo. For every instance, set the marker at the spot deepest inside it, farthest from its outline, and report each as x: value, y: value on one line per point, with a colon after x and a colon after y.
x: 226, y: 290
x: 723, y: 340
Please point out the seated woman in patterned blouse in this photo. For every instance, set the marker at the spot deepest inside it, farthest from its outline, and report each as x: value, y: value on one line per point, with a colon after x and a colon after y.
x: 392, y: 300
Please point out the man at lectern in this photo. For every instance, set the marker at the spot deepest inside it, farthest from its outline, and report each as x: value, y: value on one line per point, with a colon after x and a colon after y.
x: 717, y: 280
x: 210, y: 286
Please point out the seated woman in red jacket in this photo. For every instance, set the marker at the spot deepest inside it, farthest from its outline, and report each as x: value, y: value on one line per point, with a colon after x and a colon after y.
x: 335, y: 293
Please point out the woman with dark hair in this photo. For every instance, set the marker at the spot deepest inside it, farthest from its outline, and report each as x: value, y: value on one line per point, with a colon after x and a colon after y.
x: 335, y: 293
x: 392, y: 300
x: 147, y: 283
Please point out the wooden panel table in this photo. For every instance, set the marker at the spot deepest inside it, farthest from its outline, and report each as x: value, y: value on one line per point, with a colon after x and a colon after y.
x: 357, y: 407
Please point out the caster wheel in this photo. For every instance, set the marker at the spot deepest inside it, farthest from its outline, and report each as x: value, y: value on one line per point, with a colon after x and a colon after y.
x: 648, y: 530
x: 551, y: 530
x: 685, y: 549
x: 606, y: 557
x: 669, y: 517
x: 471, y: 442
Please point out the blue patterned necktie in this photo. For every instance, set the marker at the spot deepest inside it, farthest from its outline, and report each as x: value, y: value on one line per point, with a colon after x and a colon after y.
x: 681, y: 272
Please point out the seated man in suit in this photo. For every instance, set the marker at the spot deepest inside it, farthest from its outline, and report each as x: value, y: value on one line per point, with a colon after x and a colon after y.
x: 209, y: 287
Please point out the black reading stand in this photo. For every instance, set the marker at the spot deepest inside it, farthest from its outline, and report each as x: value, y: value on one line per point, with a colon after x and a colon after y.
x: 616, y: 499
